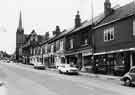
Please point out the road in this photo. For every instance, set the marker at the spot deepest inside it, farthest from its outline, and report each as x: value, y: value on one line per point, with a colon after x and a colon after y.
x: 23, y: 80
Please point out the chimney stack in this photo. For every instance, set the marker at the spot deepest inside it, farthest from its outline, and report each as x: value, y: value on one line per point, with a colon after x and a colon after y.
x: 77, y: 20
x: 107, y: 7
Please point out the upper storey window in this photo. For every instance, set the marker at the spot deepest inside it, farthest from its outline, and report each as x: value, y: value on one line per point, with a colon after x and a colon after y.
x: 71, y: 43
x: 61, y: 45
x: 133, y: 27
x: 109, y: 34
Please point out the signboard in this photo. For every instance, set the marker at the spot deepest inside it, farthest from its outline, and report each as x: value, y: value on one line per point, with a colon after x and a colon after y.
x: 87, y: 53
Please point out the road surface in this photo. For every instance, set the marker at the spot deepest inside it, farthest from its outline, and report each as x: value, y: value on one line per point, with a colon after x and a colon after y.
x: 24, y: 80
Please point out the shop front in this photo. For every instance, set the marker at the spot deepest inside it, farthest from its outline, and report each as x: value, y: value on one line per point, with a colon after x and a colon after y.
x: 46, y: 60
x: 114, y: 63
x: 87, y: 61
x: 59, y: 59
x: 26, y: 60
x: 82, y: 59
x: 75, y: 59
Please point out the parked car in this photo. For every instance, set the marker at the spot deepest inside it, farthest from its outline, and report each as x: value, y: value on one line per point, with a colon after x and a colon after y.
x: 8, y: 61
x: 39, y: 65
x: 129, y: 77
x: 68, y: 69
x: 58, y: 65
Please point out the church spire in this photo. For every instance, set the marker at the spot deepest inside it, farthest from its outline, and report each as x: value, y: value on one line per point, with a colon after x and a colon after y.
x: 20, y: 21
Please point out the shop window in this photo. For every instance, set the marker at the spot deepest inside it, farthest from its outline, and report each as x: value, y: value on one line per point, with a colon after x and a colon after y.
x: 109, y: 34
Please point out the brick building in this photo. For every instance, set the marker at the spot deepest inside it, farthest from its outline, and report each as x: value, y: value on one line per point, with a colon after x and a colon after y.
x: 114, y: 39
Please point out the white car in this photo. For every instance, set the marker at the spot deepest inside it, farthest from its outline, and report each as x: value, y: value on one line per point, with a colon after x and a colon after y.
x: 39, y: 65
x: 68, y: 69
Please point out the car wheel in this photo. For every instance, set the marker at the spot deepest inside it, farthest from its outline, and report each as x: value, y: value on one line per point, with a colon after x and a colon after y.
x: 127, y: 82
x: 60, y: 72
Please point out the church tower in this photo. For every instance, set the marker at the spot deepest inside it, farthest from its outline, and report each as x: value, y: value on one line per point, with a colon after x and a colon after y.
x: 19, y: 39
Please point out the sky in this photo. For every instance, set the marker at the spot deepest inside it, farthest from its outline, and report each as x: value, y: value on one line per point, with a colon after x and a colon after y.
x: 43, y: 16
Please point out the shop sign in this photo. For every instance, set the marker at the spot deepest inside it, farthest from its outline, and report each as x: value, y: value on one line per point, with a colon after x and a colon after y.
x: 86, y: 53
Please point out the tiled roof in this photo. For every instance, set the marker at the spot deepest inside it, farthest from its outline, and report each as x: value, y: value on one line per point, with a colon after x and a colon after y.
x: 119, y: 13
x: 64, y: 33
x: 86, y: 23
x: 96, y: 20
x: 60, y: 35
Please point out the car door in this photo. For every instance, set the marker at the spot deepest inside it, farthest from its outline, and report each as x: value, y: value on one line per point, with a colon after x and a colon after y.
x: 132, y: 74
x: 62, y: 68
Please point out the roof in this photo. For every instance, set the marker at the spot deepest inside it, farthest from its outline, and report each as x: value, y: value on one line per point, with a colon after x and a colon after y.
x: 40, y: 38
x: 26, y: 36
x: 86, y: 23
x: 119, y: 13
x: 61, y: 34
x: 64, y: 33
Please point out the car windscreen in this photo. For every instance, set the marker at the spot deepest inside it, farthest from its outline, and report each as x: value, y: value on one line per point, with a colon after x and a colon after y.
x: 132, y: 70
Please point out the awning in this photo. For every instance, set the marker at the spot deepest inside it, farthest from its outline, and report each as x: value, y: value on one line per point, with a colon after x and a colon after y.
x: 115, y: 51
x: 84, y: 52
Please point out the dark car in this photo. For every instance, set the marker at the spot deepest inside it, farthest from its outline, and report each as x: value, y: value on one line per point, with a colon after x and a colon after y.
x: 129, y: 77
x: 39, y: 65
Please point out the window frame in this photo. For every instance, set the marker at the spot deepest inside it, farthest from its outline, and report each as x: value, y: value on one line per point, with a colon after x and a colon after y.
x: 71, y: 43
x: 109, y: 34
x: 133, y: 27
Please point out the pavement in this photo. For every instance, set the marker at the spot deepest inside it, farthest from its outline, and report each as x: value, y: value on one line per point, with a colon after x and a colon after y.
x: 85, y: 74
x: 101, y: 76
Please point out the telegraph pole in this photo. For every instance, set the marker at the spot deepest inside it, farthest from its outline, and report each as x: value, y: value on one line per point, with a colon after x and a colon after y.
x: 92, y: 11
x: 92, y: 35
